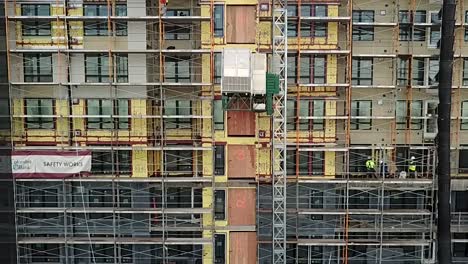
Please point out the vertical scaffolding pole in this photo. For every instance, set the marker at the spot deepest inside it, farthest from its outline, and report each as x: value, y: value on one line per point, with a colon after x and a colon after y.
x: 444, y: 253
x: 280, y: 58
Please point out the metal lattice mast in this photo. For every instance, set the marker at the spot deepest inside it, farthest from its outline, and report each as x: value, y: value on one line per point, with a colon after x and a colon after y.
x: 280, y: 49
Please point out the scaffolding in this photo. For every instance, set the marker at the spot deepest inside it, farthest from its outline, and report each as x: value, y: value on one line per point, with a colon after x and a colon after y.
x: 177, y: 179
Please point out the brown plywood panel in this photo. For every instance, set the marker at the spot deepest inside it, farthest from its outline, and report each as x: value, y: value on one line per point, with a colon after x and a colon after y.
x: 242, y: 247
x: 240, y: 24
x: 241, y: 123
x: 241, y: 206
x: 241, y: 161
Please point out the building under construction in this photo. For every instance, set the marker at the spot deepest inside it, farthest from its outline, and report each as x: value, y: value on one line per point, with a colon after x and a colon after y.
x: 186, y: 172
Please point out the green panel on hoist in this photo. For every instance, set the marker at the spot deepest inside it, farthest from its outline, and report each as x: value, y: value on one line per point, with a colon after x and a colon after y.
x: 269, y: 104
x: 272, y: 83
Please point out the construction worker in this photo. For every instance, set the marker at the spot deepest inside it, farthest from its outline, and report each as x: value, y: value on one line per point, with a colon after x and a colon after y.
x: 412, y: 167
x: 163, y: 4
x: 383, y: 169
x: 370, y: 166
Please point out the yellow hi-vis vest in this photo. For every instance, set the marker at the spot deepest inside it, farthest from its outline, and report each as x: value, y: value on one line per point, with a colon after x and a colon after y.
x: 370, y: 164
x: 412, y: 167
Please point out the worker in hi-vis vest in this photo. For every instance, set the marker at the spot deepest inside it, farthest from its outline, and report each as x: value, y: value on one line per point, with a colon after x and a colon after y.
x: 370, y: 166
x: 412, y: 167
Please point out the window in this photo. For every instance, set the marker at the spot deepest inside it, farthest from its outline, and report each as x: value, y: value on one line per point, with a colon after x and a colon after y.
x: 218, y: 68
x: 100, y: 27
x: 464, y: 114
x: 313, y: 10
x: 463, y: 160
x: 97, y: 68
x: 466, y: 28
x: 177, y: 31
x: 465, y: 72
x: 100, y: 198
x: 218, y: 115
x: 105, y: 108
x: 416, y: 115
x: 405, y: 29
x: 177, y: 69
x: 460, y: 201
x: 419, y: 33
x: 362, y: 71
x: 5, y: 113
x: 418, y: 71
x: 122, y: 68
x: 313, y: 29
x: 35, y: 28
x: 220, y: 249
x: 219, y: 20
x: 363, y: 33
x: 292, y: 23
x: 43, y: 198
x: 178, y: 161
x: 39, y: 109
x: 37, y: 67
x: 220, y: 204
x: 112, y: 162
x: 307, y: 108
x: 44, y: 253
x: 433, y: 72
x: 311, y: 163
x: 178, y: 112
x: 312, y: 69
x: 126, y: 253
x: 219, y: 160
x: 361, y: 109
x: 460, y: 250
x: 420, y: 16
x: 402, y: 73
x: 125, y: 198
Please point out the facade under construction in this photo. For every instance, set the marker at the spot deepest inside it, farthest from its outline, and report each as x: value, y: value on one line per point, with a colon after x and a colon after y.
x: 181, y: 171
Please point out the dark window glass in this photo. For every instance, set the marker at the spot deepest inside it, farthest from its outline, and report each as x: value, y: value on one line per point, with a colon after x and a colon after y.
x: 363, y: 32
x: 101, y: 111
x: 218, y: 115
x: 112, y: 162
x: 362, y: 71
x: 219, y: 160
x: 97, y: 68
x: 416, y: 114
x: 177, y: 70
x: 177, y: 114
x: 99, y: 27
x: 361, y: 109
x: 39, y: 113
x: 219, y: 20
x: 37, y: 67
x: 35, y: 28
x: 220, y: 204
x: 179, y: 161
x: 220, y: 249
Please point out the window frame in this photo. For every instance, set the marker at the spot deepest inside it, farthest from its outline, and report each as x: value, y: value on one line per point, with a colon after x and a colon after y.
x: 102, y: 69
x: 219, y: 21
x: 178, y: 123
x: 308, y: 165
x: 179, y: 31
x: 415, y: 124
x: 218, y: 114
x: 99, y: 27
x: 465, y: 72
x: 357, y: 123
x: 177, y: 78
x: 120, y: 123
x: 464, y: 113
x: 360, y: 32
x: 220, y: 162
x: 177, y: 157
x: 40, y: 121
x: 36, y: 27
x: 295, y: 123
x: 356, y: 76
x: 117, y: 165
x: 218, y: 254
x: 220, y: 212
x: 37, y: 61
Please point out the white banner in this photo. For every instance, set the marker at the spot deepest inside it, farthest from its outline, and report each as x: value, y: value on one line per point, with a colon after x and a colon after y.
x: 41, y: 164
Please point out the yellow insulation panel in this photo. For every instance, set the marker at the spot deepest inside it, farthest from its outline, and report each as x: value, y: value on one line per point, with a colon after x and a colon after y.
x: 207, y: 223
x: 139, y: 163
